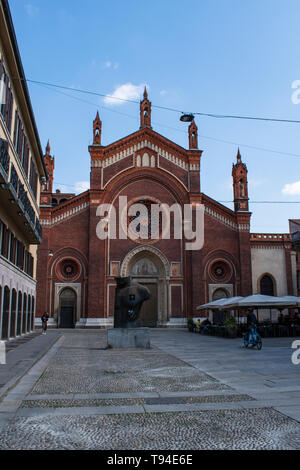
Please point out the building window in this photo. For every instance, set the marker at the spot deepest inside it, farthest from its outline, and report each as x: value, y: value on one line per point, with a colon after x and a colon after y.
x: 6, y: 98
x: 145, y: 159
x: 266, y: 285
x: 33, y: 178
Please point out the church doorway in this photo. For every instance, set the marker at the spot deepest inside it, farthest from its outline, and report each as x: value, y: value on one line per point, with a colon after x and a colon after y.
x: 67, y: 308
x: 148, y: 315
x: 148, y: 267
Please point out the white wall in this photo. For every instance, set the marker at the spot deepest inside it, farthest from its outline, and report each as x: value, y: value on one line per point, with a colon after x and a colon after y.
x: 269, y: 260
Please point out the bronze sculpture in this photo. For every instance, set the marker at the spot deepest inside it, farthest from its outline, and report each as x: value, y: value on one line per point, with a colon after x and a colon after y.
x: 129, y: 299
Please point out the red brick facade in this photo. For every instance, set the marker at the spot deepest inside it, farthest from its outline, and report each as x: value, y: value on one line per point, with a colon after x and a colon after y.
x: 142, y: 166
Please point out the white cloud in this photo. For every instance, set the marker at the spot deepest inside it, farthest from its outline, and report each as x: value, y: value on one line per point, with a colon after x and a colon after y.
x: 128, y: 91
x: 81, y: 186
x: 110, y: 65
x: 31, y: 10
x: 107, y: 64
x: 291, y: 189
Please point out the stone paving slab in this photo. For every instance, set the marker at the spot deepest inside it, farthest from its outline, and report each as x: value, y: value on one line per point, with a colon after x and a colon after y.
x: 226, y: 429
x: 117, y: 402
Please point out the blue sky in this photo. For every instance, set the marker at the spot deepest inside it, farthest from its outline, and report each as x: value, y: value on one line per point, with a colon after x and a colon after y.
x: 217, y: 56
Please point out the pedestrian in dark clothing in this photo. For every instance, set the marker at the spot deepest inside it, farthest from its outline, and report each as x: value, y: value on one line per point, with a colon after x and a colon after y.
x: 251, y: 322
x: 251, y: 318
x: 44, y: 319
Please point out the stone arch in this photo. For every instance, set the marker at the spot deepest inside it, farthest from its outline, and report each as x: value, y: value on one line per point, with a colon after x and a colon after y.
x: 67, y: 307
x: 271, y: 278
x: 144, y: 249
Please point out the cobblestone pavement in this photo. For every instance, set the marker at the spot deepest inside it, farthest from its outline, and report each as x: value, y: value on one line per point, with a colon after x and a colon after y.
x: 242, y: 429
x: 83, y: 396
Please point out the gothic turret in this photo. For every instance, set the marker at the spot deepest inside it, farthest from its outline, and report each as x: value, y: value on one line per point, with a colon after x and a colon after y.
x: 193, y: 136
x: 49, y: 162
x: 145, y: 111
x: 97, y: 129
x: 240, y: 185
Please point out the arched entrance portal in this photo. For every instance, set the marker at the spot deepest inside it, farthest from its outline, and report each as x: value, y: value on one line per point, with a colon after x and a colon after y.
x: 149, y: 267
x: 67, y: 308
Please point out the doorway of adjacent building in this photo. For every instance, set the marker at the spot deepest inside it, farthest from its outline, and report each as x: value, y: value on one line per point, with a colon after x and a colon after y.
x: 67, y: 310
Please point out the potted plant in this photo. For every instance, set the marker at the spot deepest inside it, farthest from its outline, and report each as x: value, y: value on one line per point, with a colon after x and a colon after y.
x: 190, y: 324
x: 231, y: 327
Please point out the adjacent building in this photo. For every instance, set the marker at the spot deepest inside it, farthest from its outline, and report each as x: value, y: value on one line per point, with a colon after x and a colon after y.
x: 77, y: 269
x: 22, y: 170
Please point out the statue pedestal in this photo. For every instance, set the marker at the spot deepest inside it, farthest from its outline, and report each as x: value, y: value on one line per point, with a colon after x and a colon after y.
x: 127, y: 338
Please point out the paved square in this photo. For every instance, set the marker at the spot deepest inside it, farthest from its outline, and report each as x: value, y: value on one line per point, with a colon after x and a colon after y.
x: 187, y: 392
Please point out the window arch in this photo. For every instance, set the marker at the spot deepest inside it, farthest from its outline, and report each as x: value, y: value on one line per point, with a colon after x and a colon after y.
x: 153, y: 161
x: 138, y: 161
x: 145, y: 159
x: 220, y: 294
x: 13, y: 313
x: 32, y: 313
x: 19, y: 319
x: 29, y: 314
x: 24, y: 313
x: 267, y: 285
x: 5, y: 312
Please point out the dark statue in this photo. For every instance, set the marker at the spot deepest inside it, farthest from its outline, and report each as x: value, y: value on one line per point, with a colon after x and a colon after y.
x: 128, y: 302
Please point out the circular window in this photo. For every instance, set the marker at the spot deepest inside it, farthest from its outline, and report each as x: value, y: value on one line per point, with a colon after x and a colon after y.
x: 220, y: 271
x: 68, y: 269
x: 143, y: 226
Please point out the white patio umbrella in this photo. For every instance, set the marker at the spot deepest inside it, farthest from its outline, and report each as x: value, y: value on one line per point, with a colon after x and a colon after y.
x: 219, y: 304
x: 259, y: 301
x: 263, y: 301
x: 293, y: 299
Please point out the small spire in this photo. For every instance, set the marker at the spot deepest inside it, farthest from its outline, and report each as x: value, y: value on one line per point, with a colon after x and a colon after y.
x: 145, y: 111
x: 48, y: 148
x: 193, y: 136
x: 97, y: 127
x: 238, y: 157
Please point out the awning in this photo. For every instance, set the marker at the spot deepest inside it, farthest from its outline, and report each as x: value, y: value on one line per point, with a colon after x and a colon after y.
x: 264, y: 301
x: 219, y: 304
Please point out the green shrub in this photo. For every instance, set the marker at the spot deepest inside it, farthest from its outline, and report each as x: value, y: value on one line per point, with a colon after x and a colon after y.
x: 230, y: 322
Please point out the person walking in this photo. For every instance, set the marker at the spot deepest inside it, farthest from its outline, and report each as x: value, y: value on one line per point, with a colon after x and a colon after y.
x: 44, y: 319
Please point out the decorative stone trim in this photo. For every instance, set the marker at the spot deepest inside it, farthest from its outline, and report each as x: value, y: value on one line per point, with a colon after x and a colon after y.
x: 60, y: 218
x: 144, y: 248
x: 110, y: 160
x: 279, y: 237
x: 213, y: 287
x: 222, y: 218
x: 95, y: 322
x: 243, y: 227
x: 174, y: 322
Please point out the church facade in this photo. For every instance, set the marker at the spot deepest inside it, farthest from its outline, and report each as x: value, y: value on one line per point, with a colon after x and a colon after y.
x: 77, y: 266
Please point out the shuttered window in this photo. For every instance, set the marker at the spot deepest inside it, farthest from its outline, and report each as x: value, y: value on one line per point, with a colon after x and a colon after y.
x: 6, y: 98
